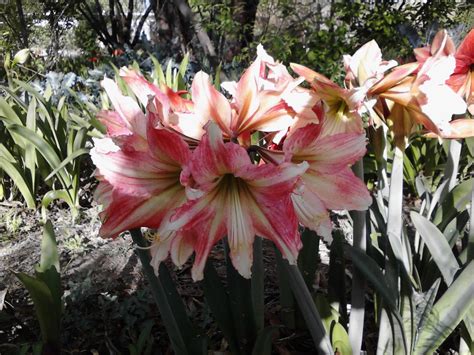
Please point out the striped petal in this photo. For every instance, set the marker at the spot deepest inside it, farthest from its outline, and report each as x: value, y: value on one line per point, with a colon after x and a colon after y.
x: 240, y: 200
x: 311, y: 212
x: 142, y: 188
x: 126, y: 107
x: 209, y: 104
x: 328, y: 183
x: 339, y: 191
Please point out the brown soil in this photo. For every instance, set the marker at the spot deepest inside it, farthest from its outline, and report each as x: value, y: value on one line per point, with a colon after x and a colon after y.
x: 106, y: 297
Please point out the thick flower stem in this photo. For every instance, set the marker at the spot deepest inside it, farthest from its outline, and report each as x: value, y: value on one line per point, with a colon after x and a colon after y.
x: 394, y: 233
x: 173, y: 313
x: 356, y: 319
x: 309, y: 311
x: 452, y: 167
x: 395, y: 205
x: 257, y: 284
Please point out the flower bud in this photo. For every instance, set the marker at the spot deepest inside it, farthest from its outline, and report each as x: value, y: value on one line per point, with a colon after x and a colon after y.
x: 21, y: 56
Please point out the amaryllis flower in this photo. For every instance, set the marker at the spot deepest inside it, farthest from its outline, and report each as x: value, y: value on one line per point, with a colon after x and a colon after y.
x: 172, y: 109
x: 126, y: 124
x: 424, y: 98
x: 139, y: 188
x: 329, y: 183
x: 264, y: 99
x: 343, y: 107
x: 366, y: 66
x: 441, y: 45
x: 230, y: 196
x: 462, y: 80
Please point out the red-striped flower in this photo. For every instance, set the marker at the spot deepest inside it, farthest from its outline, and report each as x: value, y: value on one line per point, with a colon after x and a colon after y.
x: 329, y: 183
x: 230, y: 196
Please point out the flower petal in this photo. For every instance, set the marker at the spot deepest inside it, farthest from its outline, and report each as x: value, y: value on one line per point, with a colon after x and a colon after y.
x: 338, y: 191
x: 127, y: 108
x: 209, y: 104
x: 312, y: 212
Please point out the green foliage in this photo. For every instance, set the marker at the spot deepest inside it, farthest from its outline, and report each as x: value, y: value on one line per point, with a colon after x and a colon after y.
x: 43, y: 141
x: 45, y: 290
x: 413, y: 258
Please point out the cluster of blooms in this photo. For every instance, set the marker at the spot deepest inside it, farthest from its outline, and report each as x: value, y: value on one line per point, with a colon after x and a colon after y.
x: 274, y: 156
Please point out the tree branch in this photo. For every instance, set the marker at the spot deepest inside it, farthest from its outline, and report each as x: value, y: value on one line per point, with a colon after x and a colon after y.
x: 142, y: 21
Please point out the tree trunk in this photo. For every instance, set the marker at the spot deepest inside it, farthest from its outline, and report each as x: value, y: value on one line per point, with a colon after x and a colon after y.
x: 245, y: 12
x: 23, y: 27
x: 190, y: 25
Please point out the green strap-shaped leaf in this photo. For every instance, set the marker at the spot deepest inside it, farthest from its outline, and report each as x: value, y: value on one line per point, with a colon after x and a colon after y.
x: 30, y: 151
x: 287, y: 300
x: 19, y: 181
x: 49, y: 249
x: 438, y: 247
x: 423, y: 309
x: 337, y: 274
x: 52, y: 195
x: 65, y: 162
x: 257, y: 284
x: 263, y: 344
x: 219, y: 304
x: 7, y: 114
x: 241, y: 305
x: 169, y: 74
x: 30, y: 89
x: 374, y: 275
x: 158, y: 75
x: 183, y: 335
x: 5, y: 153
x: 43, y: 301
x: 184, y: 65
x: 45, y: 149
x: 308, y: 257
x: 454, y: 202
x: 447, y: 312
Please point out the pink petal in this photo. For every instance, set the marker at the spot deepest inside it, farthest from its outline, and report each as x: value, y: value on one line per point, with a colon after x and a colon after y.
x: 309, y: 75
x: 126, y: 107
x: 141, y: 87
x: 135, y: 172
x: 238, y: 199
x: 328, y: 152
x: 114, y: 123
x: 159, y: 251
x: 211, y: 104
x: 127, y: 211
x: 168, y: 146
x: 457, y: 129
x: 182, y: 247
x: 338, y: 191
x: 311, y: 212
x: 246, y: 94
x: 213, y: 157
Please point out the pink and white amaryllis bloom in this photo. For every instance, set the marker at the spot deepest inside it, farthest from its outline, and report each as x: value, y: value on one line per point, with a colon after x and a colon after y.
x: 462, y: 80
x: 126, y: 124
x: 230, y: 196
x: 329, y: 183
x: 271, y: 75
x: 366, y: 66
x: 139, y: 188
x: 343, y: 107
x: 172, y: 109
x: 264, y: 99
x: 441, y: 45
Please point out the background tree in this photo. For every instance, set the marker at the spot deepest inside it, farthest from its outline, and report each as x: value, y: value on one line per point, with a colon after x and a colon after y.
x: 114, y: 26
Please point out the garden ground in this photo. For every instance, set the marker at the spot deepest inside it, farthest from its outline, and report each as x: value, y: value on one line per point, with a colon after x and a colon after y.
x: 107, y: 302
